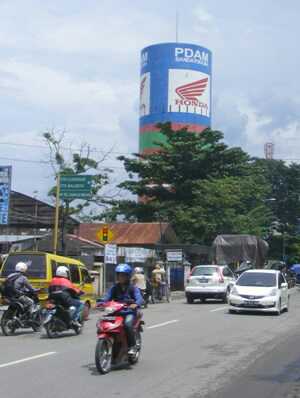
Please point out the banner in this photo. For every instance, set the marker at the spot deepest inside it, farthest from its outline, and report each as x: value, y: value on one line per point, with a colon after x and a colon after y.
x: 137, y: 254
x: 110, y: 254
x: 5, y: 186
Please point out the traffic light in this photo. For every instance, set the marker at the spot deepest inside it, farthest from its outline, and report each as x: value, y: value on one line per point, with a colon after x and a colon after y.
x: 105, y: 234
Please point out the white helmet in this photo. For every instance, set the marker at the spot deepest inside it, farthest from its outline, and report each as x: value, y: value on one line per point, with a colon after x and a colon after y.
x: 138, y: 270
x: 21, y: 267
x: 62, y: 271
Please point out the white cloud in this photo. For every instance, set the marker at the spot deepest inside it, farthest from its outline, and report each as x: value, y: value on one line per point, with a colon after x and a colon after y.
x: 205, y: 22
x: 38, y: 84
x: 74, y: 65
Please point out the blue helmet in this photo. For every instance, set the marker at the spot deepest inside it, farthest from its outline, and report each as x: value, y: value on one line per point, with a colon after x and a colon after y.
x: 124, y: 269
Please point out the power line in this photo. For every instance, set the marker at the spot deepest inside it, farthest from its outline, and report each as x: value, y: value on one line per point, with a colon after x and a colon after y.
x: 47, y: 162
x: 65, y: 148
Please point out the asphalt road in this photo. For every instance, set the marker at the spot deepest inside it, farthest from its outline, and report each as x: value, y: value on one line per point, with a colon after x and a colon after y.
x: 189, y: 351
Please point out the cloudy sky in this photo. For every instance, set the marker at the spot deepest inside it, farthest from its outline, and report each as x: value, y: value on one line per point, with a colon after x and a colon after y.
x: 74, y: 65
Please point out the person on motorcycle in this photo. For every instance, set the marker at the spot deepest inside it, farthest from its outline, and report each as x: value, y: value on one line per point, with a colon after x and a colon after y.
x: 20, y: 286
x: 124, y: 291
x: 69, y: 292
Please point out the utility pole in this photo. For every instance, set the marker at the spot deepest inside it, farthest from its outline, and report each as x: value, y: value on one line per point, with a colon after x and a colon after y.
x: 177, y: 25
x: 56, y: 221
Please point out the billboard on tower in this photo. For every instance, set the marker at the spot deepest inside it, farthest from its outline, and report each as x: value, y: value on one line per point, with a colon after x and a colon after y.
x: 175, y: 87
x: 189, y: 91
x: 145, y: 94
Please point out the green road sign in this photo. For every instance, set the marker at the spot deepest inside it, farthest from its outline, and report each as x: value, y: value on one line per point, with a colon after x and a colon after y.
x: 75, y: 186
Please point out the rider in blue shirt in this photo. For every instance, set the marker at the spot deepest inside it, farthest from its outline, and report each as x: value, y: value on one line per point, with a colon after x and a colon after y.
x: 124, y: 292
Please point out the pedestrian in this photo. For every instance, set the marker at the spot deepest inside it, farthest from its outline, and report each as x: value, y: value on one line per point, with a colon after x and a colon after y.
x: 138, y: 279
x: 158, y: 275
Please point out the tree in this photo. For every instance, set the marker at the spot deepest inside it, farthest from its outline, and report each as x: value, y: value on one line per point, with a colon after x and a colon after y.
x: 284, y: 180
x: 197, y: 183
x: 78, y: 162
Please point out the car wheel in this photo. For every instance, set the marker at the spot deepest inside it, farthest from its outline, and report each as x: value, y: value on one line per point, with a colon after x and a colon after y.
x: 278, y: 311
x: 189, y: 299
x: 231, y: 311
x: 203, y: 300
x: 287, y: 305
x: 226, y: 296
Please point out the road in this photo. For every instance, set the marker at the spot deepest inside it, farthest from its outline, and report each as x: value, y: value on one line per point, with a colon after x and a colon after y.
x: 190, y: 351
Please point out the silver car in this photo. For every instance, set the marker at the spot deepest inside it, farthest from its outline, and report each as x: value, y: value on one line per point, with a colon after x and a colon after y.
x: 209, y: 281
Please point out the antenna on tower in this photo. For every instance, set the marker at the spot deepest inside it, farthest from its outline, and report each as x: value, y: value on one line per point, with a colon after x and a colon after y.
x: 269, y: 150
x: 177, y: 25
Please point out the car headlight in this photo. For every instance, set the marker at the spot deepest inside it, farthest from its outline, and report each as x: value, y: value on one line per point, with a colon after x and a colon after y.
x: 273, y: 292
x: 234, y: 291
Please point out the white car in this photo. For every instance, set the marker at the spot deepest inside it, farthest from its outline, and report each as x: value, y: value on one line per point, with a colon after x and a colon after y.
x: 260, y: 290
x: 209, y: 281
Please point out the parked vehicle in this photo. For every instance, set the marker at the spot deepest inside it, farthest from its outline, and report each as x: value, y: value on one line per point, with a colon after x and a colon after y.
x: 58, y: 319
x: 209, y: 281
x: 16, y: 316
x: 295, y: 269
x: 288, y: 273
x: 260, y: 290
x: 41, y: 270
x: 112, y: 347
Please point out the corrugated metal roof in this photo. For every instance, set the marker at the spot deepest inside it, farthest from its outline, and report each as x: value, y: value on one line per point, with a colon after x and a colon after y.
x: 18, y: 238
x: 130, y: 233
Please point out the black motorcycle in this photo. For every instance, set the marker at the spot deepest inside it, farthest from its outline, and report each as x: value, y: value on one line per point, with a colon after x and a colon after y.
x: 18, y: 316
x: 58, y: 319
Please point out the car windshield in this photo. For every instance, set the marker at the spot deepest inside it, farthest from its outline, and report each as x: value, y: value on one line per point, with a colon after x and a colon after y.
x: 258, y: 279
x: 36, y: 265
x: 203, y: 271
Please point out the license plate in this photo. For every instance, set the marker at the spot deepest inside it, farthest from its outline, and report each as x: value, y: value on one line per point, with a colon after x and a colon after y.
x: 109, y: 318
x: 3, y: 307
x: 251, y: 303
x: 203, y: 280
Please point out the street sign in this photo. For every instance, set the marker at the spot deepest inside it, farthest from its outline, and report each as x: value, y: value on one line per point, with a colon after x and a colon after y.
x: 75, y: 186
x: 174, y: 256
x: 110, y: 254
x: 5, y: 185
x: 105, y: 235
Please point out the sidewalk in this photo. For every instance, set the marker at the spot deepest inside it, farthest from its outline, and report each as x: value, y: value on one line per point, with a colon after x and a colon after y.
x: 177, y: 295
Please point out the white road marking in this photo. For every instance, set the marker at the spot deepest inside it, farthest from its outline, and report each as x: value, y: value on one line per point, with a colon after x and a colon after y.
x: 46, y: 354
x: 219, y: 309
x: 159, y: 325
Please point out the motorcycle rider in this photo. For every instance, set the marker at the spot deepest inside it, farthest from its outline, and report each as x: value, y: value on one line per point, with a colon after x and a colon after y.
x: 69, y: 292
x: 20, y: 286
x: 124, y: 291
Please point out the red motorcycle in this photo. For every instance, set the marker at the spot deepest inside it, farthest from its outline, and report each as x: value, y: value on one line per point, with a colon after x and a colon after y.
x: 112, y: 347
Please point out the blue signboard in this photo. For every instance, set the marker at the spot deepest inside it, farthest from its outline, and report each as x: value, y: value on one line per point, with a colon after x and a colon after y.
x: 5, y: 186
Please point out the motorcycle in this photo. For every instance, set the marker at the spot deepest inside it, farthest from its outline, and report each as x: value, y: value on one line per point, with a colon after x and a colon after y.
x: 17, y: 316
x: 112, y: 346
x: 58, y: 319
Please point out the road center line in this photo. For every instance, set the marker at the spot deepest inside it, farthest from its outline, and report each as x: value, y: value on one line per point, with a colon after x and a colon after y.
x: 219, y: 309
x: 46, y: 354
x: 159, y: 325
